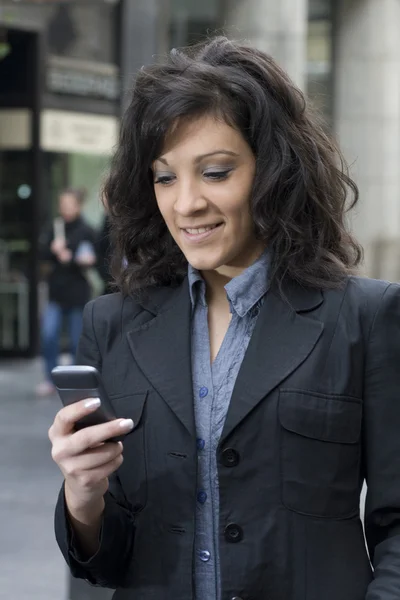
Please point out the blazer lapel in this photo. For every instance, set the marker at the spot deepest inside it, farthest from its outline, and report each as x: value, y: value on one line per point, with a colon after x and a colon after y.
x: 161, y: 348
x: 282, y: 339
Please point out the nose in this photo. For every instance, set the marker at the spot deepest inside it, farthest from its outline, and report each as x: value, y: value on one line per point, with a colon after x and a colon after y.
x: 189, y: 198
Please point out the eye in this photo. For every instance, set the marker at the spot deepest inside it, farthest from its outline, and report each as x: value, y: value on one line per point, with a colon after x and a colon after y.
x: 164, y: 179
x: 217, y: 175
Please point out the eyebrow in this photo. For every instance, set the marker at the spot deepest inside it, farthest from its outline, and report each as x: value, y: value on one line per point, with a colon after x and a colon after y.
x: 202, y: 156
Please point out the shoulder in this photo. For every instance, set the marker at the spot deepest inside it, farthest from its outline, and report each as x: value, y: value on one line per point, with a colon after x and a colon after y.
x: 110, y: 307
x: 366, y: 289
x: 360, y: 291
x: 370, y: 293
x: 363, y: 299
x: 107, y: 317
x: 123, y: 312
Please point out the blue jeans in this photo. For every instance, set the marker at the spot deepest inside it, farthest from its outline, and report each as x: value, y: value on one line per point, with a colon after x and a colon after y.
x: 52, y: 321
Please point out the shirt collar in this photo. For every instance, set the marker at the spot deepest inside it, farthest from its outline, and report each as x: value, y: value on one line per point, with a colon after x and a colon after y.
x: 197, y: 287
x: 244, y: 292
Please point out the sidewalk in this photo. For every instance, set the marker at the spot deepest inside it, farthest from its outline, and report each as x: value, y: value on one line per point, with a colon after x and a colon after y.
x: 31, y: 566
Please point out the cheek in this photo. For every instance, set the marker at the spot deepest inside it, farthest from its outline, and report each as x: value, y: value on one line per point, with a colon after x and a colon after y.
x: 237, y: 211
x: 234, y: 198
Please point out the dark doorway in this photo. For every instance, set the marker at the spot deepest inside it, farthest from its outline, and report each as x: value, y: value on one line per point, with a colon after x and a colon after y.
x: 19, y: 191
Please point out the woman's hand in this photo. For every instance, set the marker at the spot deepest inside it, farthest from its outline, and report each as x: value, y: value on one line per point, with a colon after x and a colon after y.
x: 60, y: 250
x: 65, y: 256
x: 85, y: 458
x: 57, y: 246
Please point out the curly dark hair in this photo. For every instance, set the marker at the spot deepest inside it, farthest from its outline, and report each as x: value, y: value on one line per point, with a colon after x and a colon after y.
x: 301, y: 185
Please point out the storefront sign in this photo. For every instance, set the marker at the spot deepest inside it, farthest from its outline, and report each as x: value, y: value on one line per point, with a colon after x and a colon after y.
x: 63, y: 131
x: 82, y: 78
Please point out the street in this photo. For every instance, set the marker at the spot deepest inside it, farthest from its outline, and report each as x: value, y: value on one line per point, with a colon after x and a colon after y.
x: 31, y: 566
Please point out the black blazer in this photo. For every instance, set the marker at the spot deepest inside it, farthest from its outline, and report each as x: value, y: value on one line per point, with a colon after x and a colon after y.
x: 315, y: 410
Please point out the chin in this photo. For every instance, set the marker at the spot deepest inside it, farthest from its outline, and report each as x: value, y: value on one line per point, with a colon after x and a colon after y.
x: 203, y: 263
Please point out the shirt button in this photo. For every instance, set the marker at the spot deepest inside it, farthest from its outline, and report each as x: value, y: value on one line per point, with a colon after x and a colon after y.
x: 200, y: 444
x: 233, y: 533
x: 230, y: 457
x: 203, y: 392
x: 204, y: 555
x: 202, y: 497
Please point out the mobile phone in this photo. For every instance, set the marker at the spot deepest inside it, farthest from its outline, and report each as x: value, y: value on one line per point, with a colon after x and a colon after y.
x: 75, y: 383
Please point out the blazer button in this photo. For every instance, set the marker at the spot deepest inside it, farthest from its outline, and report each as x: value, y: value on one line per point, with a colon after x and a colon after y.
x: 233, y: 533
x: 230, y: 457
x: 236, y: 598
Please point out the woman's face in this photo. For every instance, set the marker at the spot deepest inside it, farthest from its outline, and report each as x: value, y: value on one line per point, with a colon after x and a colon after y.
x: 203, y: 181
x: 69, y: 207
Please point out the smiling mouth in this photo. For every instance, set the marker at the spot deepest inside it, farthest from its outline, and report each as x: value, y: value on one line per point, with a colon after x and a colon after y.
x: 199, y: 230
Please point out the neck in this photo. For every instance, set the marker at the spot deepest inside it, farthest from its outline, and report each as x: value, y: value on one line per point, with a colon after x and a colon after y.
x: 215, y: 287
x: 217, y: 279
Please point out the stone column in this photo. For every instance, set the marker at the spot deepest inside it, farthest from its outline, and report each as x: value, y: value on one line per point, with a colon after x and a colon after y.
x: 278, y: 27
x: 367, y: 123
x: 144, y: 37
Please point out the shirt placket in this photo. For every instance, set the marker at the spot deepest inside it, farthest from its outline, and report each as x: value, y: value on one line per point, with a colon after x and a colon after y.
x: 205, y: 554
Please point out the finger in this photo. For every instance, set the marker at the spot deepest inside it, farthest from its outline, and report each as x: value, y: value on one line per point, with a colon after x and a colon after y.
x: 92, y: 477
x: 64, y: 422
x: 90, y: 437
x: 91, y: 459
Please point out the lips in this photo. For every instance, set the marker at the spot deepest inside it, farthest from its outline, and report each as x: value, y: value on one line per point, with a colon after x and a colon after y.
x: 198, y: 230
x: 194, y: 235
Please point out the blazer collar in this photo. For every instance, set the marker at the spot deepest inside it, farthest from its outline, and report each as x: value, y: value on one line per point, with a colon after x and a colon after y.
x: 298, y: 298
x: 285, y: 334
x: 161, y: 348
x: 283, y: 338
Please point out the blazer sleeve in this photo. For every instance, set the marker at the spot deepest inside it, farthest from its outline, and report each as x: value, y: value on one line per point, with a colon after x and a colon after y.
x: 107, y: 568
x: 382, y: 447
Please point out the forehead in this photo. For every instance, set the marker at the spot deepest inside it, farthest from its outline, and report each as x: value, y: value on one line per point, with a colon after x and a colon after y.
x: 68, y: 198
x: 201, y: 136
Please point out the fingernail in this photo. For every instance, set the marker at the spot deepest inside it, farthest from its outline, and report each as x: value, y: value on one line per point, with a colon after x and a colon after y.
x: 126, y: 424
x: 92, y: 403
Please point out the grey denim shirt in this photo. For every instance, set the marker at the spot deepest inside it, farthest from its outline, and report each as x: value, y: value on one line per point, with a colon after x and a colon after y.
x: 212, y: 390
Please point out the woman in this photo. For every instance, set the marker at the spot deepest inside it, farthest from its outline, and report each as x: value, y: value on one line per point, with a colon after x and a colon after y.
x: 256, y: 378
x: 69, y: 248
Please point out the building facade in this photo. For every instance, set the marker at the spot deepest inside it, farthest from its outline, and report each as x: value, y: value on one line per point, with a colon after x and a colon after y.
x: 66, y: 68
x: 367, y: 123
x: 59, y: 109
